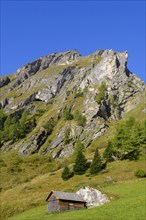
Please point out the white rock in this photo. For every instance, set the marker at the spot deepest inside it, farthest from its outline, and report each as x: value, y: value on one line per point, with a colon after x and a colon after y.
x: 93, y: 197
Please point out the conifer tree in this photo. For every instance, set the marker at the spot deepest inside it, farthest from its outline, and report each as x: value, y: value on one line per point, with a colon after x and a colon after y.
x: 96, y: 163
x: 81, y: 164
x: 79, y: 146
x: 108, y: 152
x: 66, y: 174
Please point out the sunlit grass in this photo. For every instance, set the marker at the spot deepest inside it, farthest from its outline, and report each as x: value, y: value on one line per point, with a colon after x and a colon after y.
x: 129, y: 205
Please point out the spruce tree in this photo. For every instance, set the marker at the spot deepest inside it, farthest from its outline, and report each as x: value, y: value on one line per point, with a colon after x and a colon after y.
x: 108, y: 152
x: 79, y: 146
x: 81, y: 164
x: 96, y: 163
x: 66, y: 173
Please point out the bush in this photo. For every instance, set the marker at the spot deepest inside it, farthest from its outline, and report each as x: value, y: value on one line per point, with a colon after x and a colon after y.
x: 67, y: 114
x: 50, y: 126
x: 78, y: 93
x: 102, y: 90
x: 80, y: 119
x: 140, y: 173
x: 66, y: 136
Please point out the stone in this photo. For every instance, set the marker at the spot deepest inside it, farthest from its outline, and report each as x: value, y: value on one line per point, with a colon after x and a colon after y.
x: 93, y: 197
x: 4, y: 81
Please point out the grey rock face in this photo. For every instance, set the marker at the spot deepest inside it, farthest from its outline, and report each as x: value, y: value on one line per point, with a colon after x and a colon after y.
x: 5, y: 102
x: 53, y: 81
x: 34, y: 143
x: 4, y: 81
x: 45, y: 62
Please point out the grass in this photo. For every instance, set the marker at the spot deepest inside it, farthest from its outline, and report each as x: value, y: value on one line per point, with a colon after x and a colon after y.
x: 34, y: 192
x: 129, y: 205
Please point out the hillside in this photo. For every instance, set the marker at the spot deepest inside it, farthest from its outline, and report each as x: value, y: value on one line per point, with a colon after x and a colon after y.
x: 47, y: 106
x: 62, y: 91
x: 124, y: 207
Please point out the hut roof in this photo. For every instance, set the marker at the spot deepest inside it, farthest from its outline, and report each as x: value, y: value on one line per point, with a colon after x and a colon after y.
x: 66, y: 196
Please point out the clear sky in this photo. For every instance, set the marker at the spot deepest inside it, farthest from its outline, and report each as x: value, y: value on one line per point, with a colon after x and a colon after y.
x: 30, y: 29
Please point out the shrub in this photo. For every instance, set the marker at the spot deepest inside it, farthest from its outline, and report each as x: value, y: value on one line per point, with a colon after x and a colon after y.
x: 66, y: 136
x: 140, y: 173
x: 67, y: 114
x: 102, y: 90
x: 78, y: 93
x: 80, y: 119
x: 50, y: 126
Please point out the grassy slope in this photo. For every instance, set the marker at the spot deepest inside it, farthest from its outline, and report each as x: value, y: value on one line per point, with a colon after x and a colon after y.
x: 34, y: 192
x: 129, y: 205
x: 32, y: 187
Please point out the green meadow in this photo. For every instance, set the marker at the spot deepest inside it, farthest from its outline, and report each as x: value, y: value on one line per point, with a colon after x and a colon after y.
x: 128, y: 204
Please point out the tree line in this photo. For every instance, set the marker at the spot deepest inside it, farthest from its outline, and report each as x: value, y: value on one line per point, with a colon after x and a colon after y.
x: 15, y: 127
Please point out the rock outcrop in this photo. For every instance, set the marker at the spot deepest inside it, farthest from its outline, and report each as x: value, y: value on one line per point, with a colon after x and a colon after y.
x: 93, y: 197
x: 4, y: 81
x: 58, y: 81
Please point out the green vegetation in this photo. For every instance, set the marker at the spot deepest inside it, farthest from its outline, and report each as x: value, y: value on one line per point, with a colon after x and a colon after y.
x: 40, y: 174
x: 49, y: 126
x: 79, y: 146
x: 96, y: 164
x: 78, y: 93
x: 66, y: 173
x: 129, y: 141
x: 129, y: 203
x: 81, y: 164
x: 16, y: 126
x: 79, y: 118
x: 67, y: 136
x: 140, y: 173
x: 67, y: 114
x: 102, y: 90
x: 30, y: 178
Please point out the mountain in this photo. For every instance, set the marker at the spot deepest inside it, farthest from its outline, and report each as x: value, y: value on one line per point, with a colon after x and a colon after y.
x: 50, y: 103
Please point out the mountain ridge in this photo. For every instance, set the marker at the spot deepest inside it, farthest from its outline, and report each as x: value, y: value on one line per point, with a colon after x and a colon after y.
x: 99, y: 87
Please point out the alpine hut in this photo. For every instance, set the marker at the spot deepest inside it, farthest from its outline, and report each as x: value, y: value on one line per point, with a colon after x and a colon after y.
x: 61, y: 201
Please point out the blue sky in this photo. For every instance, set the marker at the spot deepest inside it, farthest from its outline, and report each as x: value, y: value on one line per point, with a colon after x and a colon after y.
x: 30, y: 29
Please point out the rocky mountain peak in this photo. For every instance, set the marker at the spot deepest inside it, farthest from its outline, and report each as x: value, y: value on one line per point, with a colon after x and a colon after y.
x: 94, y: 89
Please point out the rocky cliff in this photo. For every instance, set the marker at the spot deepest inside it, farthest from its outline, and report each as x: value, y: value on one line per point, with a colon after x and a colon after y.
x: 95, y: 90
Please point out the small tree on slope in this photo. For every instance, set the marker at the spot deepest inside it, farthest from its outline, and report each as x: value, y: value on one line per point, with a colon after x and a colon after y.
x: 81, y: 164
x: 96, y: 164
x: 66, y: 173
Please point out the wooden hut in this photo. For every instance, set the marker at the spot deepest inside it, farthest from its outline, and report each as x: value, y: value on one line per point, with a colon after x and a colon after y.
x: 61, y: 201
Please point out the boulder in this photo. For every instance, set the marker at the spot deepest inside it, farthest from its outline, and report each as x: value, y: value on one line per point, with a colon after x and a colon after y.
x: 93, y: 197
